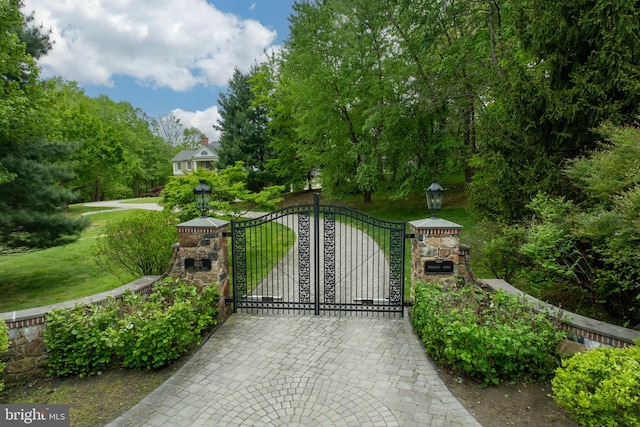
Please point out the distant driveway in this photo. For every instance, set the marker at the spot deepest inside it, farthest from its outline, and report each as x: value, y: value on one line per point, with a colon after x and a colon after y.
x: 122, y: 205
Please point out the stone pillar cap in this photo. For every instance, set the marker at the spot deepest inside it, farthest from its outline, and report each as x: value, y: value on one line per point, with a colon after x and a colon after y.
x: 434, y: 223
x: 204, y: 222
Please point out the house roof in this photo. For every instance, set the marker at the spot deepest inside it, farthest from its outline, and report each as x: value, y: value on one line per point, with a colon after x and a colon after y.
x: 205, y: 152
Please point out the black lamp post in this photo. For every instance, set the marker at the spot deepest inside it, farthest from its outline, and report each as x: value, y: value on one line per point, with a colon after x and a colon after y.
x: 434, y: 194
x: 202, y: 194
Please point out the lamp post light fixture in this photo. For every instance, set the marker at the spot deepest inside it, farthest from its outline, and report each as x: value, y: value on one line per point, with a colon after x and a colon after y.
x: 434, y: 194
x: 202, y: 194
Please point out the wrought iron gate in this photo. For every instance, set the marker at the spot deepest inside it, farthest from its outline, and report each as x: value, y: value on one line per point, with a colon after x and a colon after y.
x: 318, y: 258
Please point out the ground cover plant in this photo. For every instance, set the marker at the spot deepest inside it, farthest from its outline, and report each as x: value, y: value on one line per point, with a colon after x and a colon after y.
x: 136, y: 331
x: 601, y: 387
x: 488, y: 336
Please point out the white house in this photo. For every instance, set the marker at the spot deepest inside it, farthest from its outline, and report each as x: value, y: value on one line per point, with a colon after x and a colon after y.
x: 204, y: 157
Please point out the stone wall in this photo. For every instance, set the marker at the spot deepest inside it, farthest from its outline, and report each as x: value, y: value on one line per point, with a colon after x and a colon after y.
x: 584, y: 330
x: 25, y: 355
x: 201, y: 257
x: 26, y: 352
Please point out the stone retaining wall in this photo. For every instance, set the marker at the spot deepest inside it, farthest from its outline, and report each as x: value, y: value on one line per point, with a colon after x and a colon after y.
x: 26, y: 352
x: 590, y: 332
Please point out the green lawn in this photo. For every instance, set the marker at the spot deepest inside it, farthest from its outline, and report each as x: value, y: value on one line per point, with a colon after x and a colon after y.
x: 266, y: 245
x: 43, y: 277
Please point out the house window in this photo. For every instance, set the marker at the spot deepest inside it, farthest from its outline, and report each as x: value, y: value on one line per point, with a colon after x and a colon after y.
x: 189, y: 165
x: 178, y: 166
x: 204, y: 153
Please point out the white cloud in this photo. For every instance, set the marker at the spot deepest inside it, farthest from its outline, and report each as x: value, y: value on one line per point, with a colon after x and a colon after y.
x: 203, y: 120
x: 160, y: 43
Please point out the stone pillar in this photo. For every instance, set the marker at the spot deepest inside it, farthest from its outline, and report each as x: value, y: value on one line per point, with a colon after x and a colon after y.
x: 436, y: 253
x: 202, y: 256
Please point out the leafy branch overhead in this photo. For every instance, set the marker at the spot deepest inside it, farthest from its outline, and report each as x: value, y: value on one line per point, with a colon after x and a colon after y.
x: 230, y: 195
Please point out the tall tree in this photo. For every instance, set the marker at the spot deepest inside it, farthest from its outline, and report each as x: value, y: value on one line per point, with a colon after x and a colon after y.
x: 32, y: 170
x: 287, y: 163
x: 18, y: 78
x: 32, y: 205
x: 333, y: 75
x: 384, y: 94
x: 118, y: 155
x: 243, y: 127
x: 570, y: 66
x: 169, y: 128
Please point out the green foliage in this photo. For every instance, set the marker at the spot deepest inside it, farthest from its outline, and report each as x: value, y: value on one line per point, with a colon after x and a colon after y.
x: 565, y: 67
x: 364, y: 86
x: 78, y: 340
x: 584, y: 245
x: 140, y: 243
x: 243, y: 127
x: 487, y: 336
x: 554, y: 255
x: 118, y: 155
x: 601, y: 387
x: 4, y: 346
x: 156, y: 331
x: 134, y: 332
x: 500, y: 249
x: 32, y: 204
x: 229, y: 191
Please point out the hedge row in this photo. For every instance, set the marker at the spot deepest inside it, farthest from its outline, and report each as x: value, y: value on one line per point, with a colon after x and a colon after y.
x: 135, y: 331
x: 489, y: 336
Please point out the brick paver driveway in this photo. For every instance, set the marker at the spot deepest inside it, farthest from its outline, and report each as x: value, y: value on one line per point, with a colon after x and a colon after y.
x: 267, y: 370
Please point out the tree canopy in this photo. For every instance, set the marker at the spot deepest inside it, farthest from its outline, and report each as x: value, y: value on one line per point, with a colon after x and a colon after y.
x: 230, y: 193
x: 58, y: 146
x: 243, y: 124
x: 33, y: 170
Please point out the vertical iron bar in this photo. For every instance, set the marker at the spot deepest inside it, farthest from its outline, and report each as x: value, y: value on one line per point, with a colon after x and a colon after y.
x: 316, y: 250
x: 403, y: 240
x: 233, y: 267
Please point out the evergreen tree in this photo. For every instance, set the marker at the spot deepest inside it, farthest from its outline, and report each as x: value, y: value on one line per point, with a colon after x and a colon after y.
x: 32, y: 205
x: 243, y: 124
x: 32, y: 170
x: 568, y: 67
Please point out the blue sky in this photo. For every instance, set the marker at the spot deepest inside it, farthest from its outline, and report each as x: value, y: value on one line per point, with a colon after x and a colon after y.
x: 163, y: 56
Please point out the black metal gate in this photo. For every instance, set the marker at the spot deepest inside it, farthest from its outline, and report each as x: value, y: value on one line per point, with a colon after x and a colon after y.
x: 318, y: 258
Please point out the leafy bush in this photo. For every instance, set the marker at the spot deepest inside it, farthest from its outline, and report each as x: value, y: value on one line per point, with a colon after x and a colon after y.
x: 580, y: 249
x: 77, y: 339
x: 140, y: 243
x: 601, y: 387
x: 134, y: 332
x: 489, y: 336
x: 159, y: 330
x: 4, y: 346
x: 499, y: 251
x: 228, y: 186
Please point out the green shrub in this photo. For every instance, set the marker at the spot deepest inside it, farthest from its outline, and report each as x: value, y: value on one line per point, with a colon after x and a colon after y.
x: 134, y: 332
x: 499, y: 250
x: 489, y: 336
x: 601, y: 387
x: 77, y: 338
x: 139, y: 243
x: 164, y: 327
x: 4, y: 346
